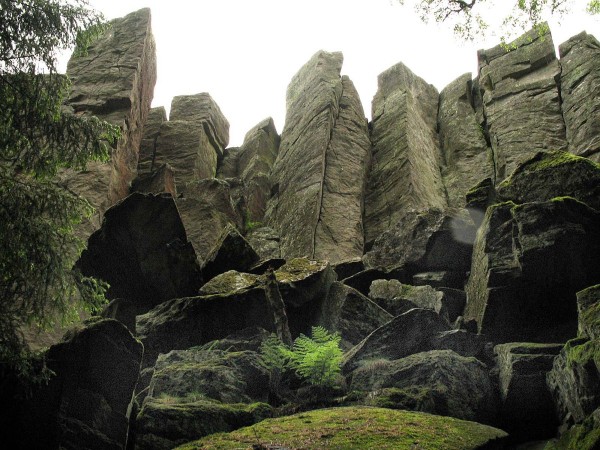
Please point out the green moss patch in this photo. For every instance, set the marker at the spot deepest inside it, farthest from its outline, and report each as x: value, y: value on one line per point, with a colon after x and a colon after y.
x: 298, y: 269
x: 356, y: 428
x: 585, y: 436
x: 582, y: 353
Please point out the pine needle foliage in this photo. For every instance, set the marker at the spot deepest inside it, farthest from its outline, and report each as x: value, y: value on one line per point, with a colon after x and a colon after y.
x: 39, y: 135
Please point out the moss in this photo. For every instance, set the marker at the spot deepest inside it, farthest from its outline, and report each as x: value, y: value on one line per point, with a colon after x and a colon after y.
x: 298, y: 269
x: 356, y: 428
x: 585, y: 436
x: 412, y: 398
x: 590, y: 318
x: 229, y: 282
x: 582, y: 353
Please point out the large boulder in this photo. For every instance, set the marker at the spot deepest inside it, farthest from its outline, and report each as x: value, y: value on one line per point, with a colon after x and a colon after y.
x: 351, y: 314
x: 319, y: 175
x: 114, y: 81
x: 553, y: 174
x: 405, y: 168
x: 528, y: 263
x: 527, y: 410
x: 142, y: 251
x: 438, y: 381
x: 86, y: 403
x: 521, y: 100
x: 409, y: 333
x: 580, y: 93
x: 466, y: 155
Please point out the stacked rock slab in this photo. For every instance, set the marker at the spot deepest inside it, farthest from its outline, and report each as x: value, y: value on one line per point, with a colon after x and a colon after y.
x: 521, y: 100
x: 580, y: 84
x: 114, y: 82
x: 466, y: 155
x: 405, y: 168
x: 319, y: 174
x: 193, y: 139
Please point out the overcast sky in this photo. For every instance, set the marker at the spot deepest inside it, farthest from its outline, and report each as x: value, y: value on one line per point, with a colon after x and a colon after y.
x: 245, y: 52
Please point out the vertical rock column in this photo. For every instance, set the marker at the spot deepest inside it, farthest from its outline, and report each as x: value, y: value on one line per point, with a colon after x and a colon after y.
x: 521, y: 100
x: 156, y: 117
x: 580, y: 90
x: 319, y: 175
x: 115, y: 82
x: 405, y: 170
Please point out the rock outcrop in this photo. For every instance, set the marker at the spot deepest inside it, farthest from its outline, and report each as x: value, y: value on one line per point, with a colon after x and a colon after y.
x: 319, y: 174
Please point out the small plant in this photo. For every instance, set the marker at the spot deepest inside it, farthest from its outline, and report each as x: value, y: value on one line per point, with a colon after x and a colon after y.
x: 316, y: 359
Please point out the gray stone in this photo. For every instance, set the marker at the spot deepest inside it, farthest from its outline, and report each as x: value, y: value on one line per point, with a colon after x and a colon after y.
x: 397, y: 298
x: 528, y: 262
x: 265, y: 241
x: 588, y: 312
x: 156, y: 116
x: 405, y: 168
x: 319, y: 174
x: 467, y: 159
x: 404, y: 335
x: 527, y: 406
x: 580, y: 93
x: 228, y: 166
x: 461, y: 342
x: 438, y: 381
x: 157, y: 182
x: 351, y: 314
x: 521, y: 100
x: 228, y: 282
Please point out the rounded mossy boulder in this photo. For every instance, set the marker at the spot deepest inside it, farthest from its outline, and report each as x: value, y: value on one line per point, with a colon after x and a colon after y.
x: 357, y: 428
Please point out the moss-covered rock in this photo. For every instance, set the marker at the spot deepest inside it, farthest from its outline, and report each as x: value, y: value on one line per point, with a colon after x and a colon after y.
x: 588, y: 308
x: 170, y: 421
x: 583, y: 436
x: 358, y: 428
x: 230, y: 281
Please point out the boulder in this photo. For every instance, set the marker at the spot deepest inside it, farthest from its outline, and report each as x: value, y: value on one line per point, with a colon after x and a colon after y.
x: 230, y: 281
x: 186, y: 322
x: 583, y: 436
x: 462, y: 342
x: 206, y: 210
x: 319, y: 175
x: 521, y: 100
x: 163, y: 424
x: 348, y: 268
x: 406, y: 159
x: 114, y: 81
x: 527, y: 407
x: 438, y: 382
x: 156, y: 116
x: 142, y: 251
x: 351, y: 314
x: 162, y: 180
x: 86, y: 402
x: 265, y: 241
x: 361, y: 281
x: 528, y: 263
x: 397, y: 298
x: 404, y: 335
x: 588, y: 312
x: 465, y: 153
x: 422, y: 241
x: 230, y: 252
x: 574, y: 380
x: 124, y: 310
x: 553, y: 174
x: 580, y: 93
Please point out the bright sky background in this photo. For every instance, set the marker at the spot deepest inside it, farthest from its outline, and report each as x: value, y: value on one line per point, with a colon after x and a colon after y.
x: 245, y: 52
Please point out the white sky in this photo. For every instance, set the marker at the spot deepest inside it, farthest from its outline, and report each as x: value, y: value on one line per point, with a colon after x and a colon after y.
x: 245, y: 52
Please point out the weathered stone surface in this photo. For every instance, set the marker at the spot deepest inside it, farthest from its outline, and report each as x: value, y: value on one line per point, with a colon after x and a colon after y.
x: 438, y: 381
x: 320, y: 171
x: 575, y: 380
x: 362, y: 280
x: 85, y: 405
x: 527, y: 407
x: 404, y: 335
x: 228, y: 166
x: 142, y: 251
x: 521, y: 100
x: 584, y: 436
x: 467, y: 159
x: 422, y: 241
x: 206, y: 210
x: 186, y: 322
x: 201, y: 109
x: 397, y: 298
x: 588, y: 312
x: 162, y: 180
x: 405, y: 168
x: 461, y: 342
x: 528, y: 262
x: 230, y: 281
x: 553, y: 174
x: 230, y: 252
x: 348, y: 268
x: 115, y: 82
x: 265, y: 241
x: 580, y: 93
x: 156, y: 116
x: 124, y: 310
x: 226, y: 376
x: 351, y: 314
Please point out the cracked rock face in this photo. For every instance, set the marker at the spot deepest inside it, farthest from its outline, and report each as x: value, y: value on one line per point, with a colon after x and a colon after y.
x: 319, y: 174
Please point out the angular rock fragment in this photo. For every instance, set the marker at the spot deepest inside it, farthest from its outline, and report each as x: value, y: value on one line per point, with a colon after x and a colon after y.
x: 580, y: 93
x: 146, y: 164
x: 265, y: 241
x: 521, y: 100
x: 320, y: 170
x: 588, y: 312
x: 143, y: 252
x: 162, y: 180
x: 405, y: 168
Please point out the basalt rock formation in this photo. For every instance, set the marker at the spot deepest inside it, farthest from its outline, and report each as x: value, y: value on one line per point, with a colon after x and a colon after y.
x: 452, y: 242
